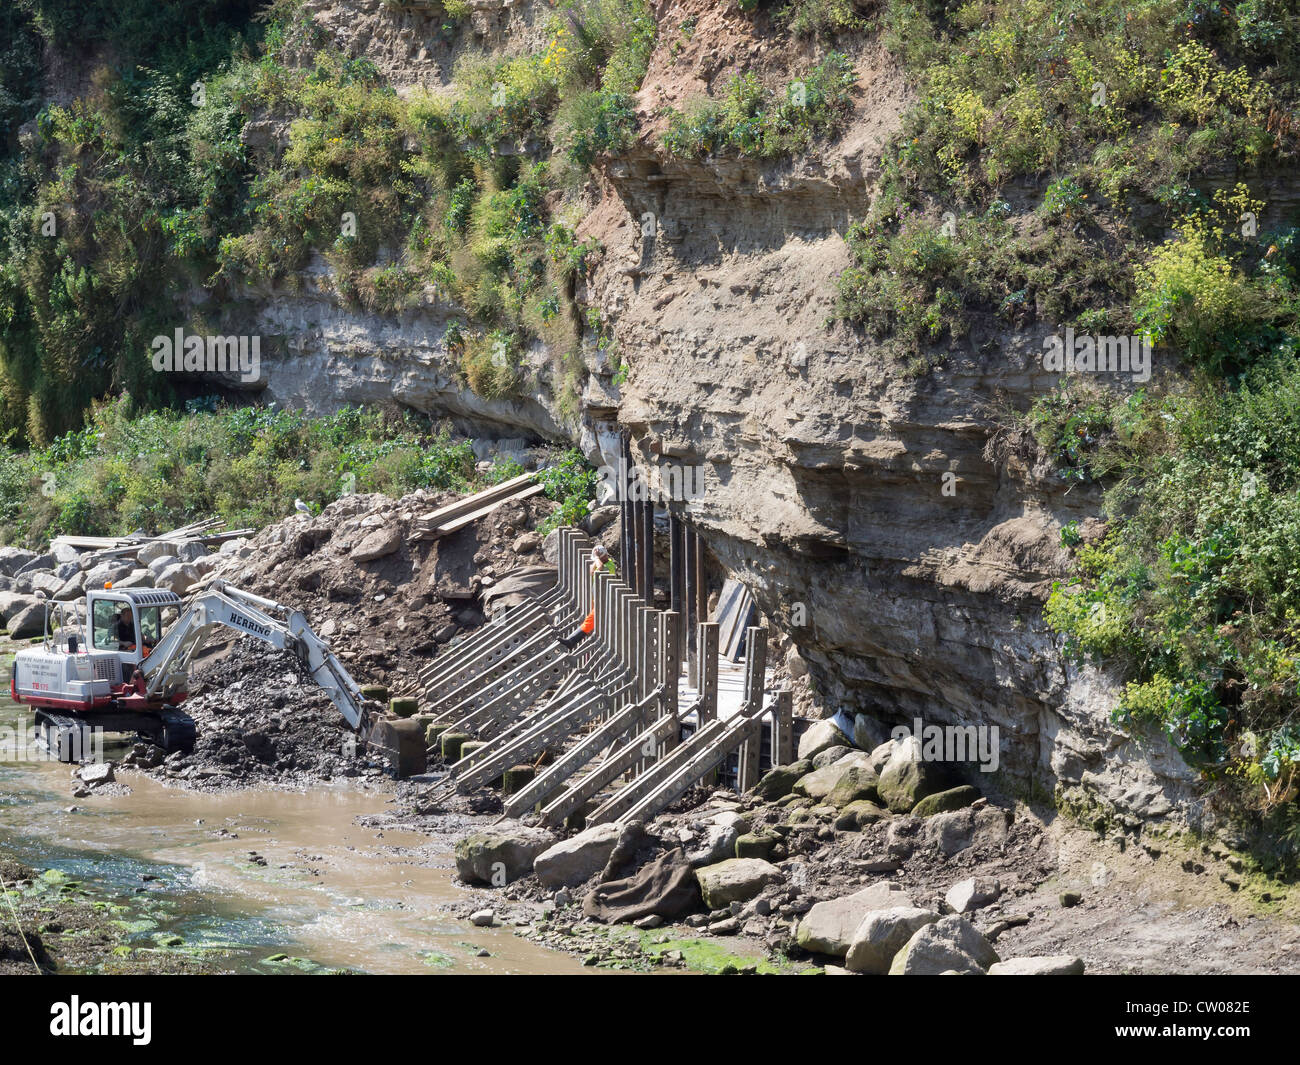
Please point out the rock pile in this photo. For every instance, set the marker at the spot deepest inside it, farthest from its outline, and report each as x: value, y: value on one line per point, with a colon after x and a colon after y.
x: 863, y: 861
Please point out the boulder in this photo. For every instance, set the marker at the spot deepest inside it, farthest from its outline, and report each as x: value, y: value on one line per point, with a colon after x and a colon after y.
x: 233, y: 547
x: 162, y: 562
x: 191, y: 550
x: 107, y: 573
x: 30, y: 621
x: 12, y: 559
x: 499, y: 855
x: 1053, y: 965
x: 881, y: 935
x: 735, y: 880
x: 821, y: 735
x: 576, y: 860
x: 154, y: 549
x: 36, y: 562
x: 551, y: 546
x: 48, y: 583
x: 73, y: 588
x: 828, y: 927
x: 880, y: 756
x: 96, y: 773
x: 857, y: 815
x: 855, y: 784
x: 849, y: 778
x: 780, y: 780
x: 830, y: 756
x: 207, y: 563
x: 868, y: 733
x: 64, y: 570
x: 972, y: 893
x: 942, y: 802
x: 12, y: 604
x: 756, y: 844
x: 378, y: 544
x: 137, y: 578
x: 66, y: 553
x: 951, y: 944
x: 956, y: 831
x: 718, y: 844
x: 907, y: 779
x: 179, y: 578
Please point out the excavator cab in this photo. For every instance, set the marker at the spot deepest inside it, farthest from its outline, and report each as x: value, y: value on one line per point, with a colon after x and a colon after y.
x: 129, y: 621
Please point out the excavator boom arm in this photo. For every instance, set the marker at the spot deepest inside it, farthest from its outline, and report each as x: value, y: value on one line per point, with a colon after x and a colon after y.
x: 167, y: 667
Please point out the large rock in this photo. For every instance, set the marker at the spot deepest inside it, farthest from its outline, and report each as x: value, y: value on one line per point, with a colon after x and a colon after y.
x: 179, y: 578
x: 137, y: 578
x: 12, y: 559
x: 881, y: 935
x: 972, y: 893
x: 821, y: 735
x: 46, y: 582
x: 942, y: 802
x: 30, y: 621
x: 378, y: 544
x: 735, y: 880
x: 880, y: 756
x: 162, y: 562
x: 499, y: 855
x: 36, y: 562
x: 962, y: 829
x: 575, y: 860
x: 191, y: 550
x: 107, y: 573
x: 1054, y: 965
x: 73, y: 588
x: 857, y: 815
x: 868, y: 733
x: 154, y: 549
x: 829, y: 756
x: 66, y: 553
x: 779, y: 781
x: 951, y: 944
x: 855, y: 784
x: 12, y: 604
x: 717, y: 845
x: 907, y: 779
x: 850, y: 778
x: 829, y: 926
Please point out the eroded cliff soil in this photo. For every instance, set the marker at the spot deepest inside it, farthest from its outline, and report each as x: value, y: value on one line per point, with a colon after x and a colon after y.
x: 903, y: 549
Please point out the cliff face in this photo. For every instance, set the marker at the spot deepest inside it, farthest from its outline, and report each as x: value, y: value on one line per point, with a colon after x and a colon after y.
x: 906, y: 556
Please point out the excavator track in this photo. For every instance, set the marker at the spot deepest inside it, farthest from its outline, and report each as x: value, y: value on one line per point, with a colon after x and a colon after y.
x: 66, y: 737
x: 177, y: 731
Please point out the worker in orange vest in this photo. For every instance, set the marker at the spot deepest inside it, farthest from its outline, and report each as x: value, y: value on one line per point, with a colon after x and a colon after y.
x: 599, y: 560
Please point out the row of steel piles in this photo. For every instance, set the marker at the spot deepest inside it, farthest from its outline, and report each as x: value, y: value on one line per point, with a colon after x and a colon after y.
x: 512, y: 685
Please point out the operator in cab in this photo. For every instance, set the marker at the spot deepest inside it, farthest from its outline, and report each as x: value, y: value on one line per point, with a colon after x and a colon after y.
x: 125, y: 629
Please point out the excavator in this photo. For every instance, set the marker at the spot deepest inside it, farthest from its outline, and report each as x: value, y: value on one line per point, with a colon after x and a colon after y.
x: 119, y: 661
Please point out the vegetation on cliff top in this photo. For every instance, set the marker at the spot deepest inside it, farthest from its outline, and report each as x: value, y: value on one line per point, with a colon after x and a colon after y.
x: 1106, y: 166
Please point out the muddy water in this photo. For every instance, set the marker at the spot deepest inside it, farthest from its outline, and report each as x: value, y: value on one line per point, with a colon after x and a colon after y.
x: 330, y: 891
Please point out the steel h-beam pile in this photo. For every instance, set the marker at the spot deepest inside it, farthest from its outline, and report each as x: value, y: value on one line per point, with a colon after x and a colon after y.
x: 607, y: 711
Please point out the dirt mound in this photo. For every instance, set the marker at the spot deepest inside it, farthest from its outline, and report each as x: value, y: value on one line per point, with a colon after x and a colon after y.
x: 261, y: 719
x: 384, y: 604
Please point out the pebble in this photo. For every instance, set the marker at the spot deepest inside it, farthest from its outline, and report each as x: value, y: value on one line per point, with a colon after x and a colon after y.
x: 482, y: 918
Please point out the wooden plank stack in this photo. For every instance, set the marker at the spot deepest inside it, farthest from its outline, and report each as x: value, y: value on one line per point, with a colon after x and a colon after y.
x: 734, y: 616
x: 446, y: 520
x: 110, y: 546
